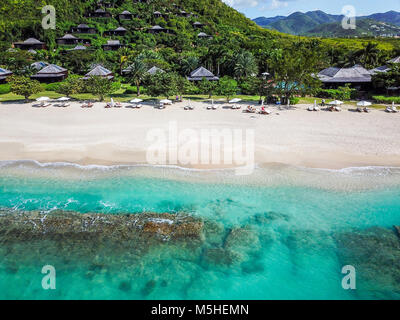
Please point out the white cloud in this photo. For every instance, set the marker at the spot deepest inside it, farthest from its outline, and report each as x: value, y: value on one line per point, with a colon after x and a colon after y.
x: 241, y: 3
x: 276, y: 4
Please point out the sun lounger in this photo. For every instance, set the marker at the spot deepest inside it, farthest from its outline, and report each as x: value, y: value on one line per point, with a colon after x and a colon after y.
x: 138, y: 106
x: 214, y: 107
x: 108, y: 105
x: 338, y: 109
x: 310, y: 108
x: 389, y: 109
x: 118, y: 105
x: 316, y: 108
x: 209, y: 107
x: 359, y: 109
x: 394, y: 109
x: 366, y: 110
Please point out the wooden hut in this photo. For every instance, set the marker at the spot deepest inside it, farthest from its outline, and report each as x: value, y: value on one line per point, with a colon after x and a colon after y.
x: 100, y: 13
x: 30, y: 43
x: 99, y: 71
x: 120, y: 31
x: 84, y: 29
x: 51, y: 73
x: 112, y: 45
x: 69, y: 39
x: 202, y: 73
x: 125, y: 15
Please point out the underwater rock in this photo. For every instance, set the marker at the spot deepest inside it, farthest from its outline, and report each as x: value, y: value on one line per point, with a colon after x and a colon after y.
x: 125, y: 286
x: 221, y: 256
x: 266, y: 218
x: 149, y: 287
x: 59, y: 225
x: 375, y: 254
x: 398, y: 230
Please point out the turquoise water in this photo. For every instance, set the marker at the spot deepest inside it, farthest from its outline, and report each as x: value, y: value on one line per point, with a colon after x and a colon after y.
x: 294, y: 231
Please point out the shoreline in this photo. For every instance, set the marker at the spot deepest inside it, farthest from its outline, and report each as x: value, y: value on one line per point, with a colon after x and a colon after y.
x: 109, y: 137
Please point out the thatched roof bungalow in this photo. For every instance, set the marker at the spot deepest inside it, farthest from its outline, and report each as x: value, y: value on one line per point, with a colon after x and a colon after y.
x: 30, y: 43
x: 198, y: 24
x: 51, y: 73
x: 125, y: 15
x: 99, y: 71
x: 202, y: 73
x: 355, y: 76
x: 69, y: 39
x: 100, y: 13
x: 120, y: 31
x: 203, y: 35
x: 83, y: 29
x: 112, y: 45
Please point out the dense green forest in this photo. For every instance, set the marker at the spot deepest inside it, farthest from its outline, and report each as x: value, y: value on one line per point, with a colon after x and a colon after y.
x: 237, y: 48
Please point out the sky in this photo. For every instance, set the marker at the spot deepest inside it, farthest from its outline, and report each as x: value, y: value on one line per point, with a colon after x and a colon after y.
x: 270, y: 8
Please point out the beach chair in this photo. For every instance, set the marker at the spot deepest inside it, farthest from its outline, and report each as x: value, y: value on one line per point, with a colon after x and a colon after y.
x: 389, y: 109
x: 316, y: 108
x: 209, y: 107
x: 118, y: 105
x: 108, y: 105
x: 310, y: 108
x: 394, y: 109
x: 359, y: 109
x: 214, y: 107
x: 338, y: 109
x: 366, y: 110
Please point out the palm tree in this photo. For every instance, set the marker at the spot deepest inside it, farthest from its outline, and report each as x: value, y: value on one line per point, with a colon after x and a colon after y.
x: 136, y: 73
x: 189, y: 64
x: 245, y: 65
x: 369, y: 55
x: 124, y: 54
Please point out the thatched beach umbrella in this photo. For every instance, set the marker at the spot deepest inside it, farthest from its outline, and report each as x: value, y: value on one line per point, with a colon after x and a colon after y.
x: 364, y: 104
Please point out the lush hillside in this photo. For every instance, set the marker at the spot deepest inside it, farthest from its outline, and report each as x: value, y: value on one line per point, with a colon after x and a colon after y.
x: 365, y: 28
x: 319, y: 23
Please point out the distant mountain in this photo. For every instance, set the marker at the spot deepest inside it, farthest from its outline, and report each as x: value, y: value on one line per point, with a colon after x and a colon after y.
x: 263, y: 21
x: 319, y: 22
x: 365, y: 28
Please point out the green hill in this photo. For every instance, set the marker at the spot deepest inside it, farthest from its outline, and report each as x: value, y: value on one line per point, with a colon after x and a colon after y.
x: 365, y: 28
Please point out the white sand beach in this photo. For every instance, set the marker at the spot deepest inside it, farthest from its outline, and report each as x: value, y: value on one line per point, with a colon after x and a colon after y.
x: 118, y: 135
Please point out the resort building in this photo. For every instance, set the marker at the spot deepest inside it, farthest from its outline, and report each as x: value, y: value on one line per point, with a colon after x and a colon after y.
x: 39, y: 65
x: 78, y: 48
x: 157, y: 29
x: 104, y: 4
x: 125, y: 15
x: 153, y: 70
x: 4, y: 74
x: 51, y: 73
x: 30, y: 43
x: 157, y: 14
x: 100, y: 13
x: 112, y: 45
x: 202, y: 73
x: 197, y: 24
x: 356, y: 76
x: 120, y: 31
x: 84, y: 29
x: 183, y: 13
x: 203, y: 35
x: 99, y: 71
x: 69, y: 39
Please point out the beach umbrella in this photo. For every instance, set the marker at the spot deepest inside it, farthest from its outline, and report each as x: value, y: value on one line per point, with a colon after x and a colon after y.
x: 392, y: 104
x: 136, y: 100
x: 235, y: 100
x: 166, y: 101
x: 63, y: 99
x: 336, y: 102
x: 364, y: 104
x: 315, y: 103
x: 112, y: 102
x: 42, y: 99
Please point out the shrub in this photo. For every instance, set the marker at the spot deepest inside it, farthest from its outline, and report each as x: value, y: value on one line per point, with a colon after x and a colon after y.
x: 383, y: 99
x: 5, y: 88
x: 133, y: 90
x: 294, y: 100
x: 52, y: 86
